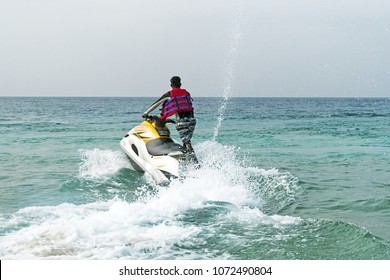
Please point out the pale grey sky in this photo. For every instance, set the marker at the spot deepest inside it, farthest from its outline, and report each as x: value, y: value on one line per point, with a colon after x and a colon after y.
x: 261, y: 48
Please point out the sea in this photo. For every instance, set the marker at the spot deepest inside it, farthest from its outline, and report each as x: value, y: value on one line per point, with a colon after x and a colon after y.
x: 280, y: 179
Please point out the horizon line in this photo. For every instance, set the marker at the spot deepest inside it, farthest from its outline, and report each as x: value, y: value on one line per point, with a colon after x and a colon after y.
x: 106, y: 96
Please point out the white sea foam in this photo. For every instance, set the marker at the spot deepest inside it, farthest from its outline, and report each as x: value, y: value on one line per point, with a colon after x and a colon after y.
x: 101, y: 164
x: 144, y: 228
x: 253, y: 216
x: 148, y: 227
x: 100, y: 230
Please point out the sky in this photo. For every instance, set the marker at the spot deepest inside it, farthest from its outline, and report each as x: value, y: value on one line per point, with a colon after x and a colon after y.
x: 259, y: 48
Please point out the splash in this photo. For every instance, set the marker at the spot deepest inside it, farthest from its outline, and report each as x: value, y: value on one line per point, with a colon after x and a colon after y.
x: 100, y: 164
x: 166, y: 219
x: 229, y: 64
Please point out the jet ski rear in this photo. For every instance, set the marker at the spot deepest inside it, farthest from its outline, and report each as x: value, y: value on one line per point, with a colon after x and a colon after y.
x: 151, y: 149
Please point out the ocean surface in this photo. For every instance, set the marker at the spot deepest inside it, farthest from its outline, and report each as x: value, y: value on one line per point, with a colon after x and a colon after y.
x: 281, y: 178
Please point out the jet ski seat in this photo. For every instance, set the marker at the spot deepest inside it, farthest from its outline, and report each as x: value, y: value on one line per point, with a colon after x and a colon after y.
x: 162, y: 146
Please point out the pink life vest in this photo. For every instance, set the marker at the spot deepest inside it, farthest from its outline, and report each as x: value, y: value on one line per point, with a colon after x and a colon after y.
x: 180, y: 101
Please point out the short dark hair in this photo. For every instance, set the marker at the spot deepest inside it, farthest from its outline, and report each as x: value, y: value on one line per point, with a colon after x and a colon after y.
x: 175, y: 81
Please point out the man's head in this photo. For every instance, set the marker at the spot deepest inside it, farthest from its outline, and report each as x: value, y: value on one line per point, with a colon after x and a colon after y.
x: 175, y: 82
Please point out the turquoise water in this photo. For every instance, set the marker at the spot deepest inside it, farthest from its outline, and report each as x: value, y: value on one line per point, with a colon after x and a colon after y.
x: 284, y: 178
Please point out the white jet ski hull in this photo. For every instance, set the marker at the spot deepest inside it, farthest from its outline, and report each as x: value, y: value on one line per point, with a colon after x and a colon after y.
x: 161, y: 166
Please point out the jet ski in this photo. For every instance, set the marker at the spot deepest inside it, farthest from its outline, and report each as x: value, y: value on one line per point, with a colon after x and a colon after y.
x: 151, y: 149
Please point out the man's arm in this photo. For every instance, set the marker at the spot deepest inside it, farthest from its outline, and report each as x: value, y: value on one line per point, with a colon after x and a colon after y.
x: 160, y: 101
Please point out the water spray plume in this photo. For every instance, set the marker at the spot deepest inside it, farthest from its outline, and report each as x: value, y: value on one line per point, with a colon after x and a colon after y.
x: 229, y: 64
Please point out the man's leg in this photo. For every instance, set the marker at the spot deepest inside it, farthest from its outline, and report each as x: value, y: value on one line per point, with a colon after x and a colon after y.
x: 186, y: 127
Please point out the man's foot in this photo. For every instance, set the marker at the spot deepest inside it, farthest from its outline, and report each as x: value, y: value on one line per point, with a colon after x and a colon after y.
x: 189, y: 154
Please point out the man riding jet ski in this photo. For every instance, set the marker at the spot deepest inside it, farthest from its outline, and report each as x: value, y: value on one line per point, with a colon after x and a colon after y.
x: 149, y: 145
x: 178, y: 102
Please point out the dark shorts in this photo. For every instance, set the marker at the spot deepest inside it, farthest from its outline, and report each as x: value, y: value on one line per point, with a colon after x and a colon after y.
x: 186, y: 126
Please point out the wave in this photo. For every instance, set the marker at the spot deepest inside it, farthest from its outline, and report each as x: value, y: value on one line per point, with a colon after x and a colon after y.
x: 227, y: 209
x: 155, y: 223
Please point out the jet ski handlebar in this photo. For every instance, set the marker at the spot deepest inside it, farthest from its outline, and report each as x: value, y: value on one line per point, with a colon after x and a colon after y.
x: 157, y: 118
